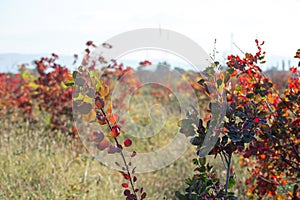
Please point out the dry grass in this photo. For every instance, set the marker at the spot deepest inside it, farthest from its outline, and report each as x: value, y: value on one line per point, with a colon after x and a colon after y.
x: 36, y: 166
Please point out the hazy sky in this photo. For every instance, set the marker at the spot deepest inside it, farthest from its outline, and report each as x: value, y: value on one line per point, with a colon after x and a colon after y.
x: 63, y: 26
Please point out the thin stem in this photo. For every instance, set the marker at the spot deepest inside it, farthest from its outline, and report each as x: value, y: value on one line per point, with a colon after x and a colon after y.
x: 122, y: 155
x: 224, y: 154
x: 221, y: 155
x: 228, y: 173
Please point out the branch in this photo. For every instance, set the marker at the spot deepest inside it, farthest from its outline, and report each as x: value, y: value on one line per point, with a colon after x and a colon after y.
x: 122, y: 155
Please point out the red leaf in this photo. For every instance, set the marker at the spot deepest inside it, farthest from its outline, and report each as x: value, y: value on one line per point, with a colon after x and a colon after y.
x: 115, y: 131
x: 126, y: 176
x: 133, y: 154
x: 143, y: 196
x: 145, y: 63
x: 89, y: 43
x: 256, y: 120
x: 124, y: 185
x: 55, y: 55
x: 127, y: 143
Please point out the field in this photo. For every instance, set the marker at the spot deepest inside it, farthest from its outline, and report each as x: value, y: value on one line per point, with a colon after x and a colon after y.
x: 37, y: 166
x: 43, y: 155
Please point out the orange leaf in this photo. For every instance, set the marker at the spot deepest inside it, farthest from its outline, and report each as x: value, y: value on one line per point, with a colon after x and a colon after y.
x: 113, y: 118
x: 234, y: 73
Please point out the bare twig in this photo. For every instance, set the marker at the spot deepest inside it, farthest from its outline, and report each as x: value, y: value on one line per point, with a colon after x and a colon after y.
x: 228, y: 173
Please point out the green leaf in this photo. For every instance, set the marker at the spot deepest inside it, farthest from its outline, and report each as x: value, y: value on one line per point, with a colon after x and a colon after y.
x: 231, y: 70
x: 224, y: 139
x: 202, y: 169
x: 180, y: 196
x: 219, y: 82
x: 188, y: 181
x: 195, y: 161
x: 231, y: 182
x: 230, y: 196
x: 250, y: 95
x: 75, y: 73
x: 202, y: 161
x: 238, y: 88
x: 69, y: 83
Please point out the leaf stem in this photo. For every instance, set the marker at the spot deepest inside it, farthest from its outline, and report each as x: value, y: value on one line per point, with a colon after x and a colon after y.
x: 122, y: 154
x: 228, y: 173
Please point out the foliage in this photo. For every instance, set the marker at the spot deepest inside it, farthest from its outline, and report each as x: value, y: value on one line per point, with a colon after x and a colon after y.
x: 204, y: 184
x: 15, y: 96
x: 51, y: 95
x: 93, y: 102
x: 261, y: 125
x: 41, y: 89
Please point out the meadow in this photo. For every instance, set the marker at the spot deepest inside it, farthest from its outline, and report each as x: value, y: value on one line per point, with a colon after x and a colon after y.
x: 43, y: 155
x: 36, y: 165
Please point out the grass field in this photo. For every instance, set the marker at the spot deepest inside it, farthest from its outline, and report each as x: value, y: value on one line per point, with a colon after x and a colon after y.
x: 36, y: 165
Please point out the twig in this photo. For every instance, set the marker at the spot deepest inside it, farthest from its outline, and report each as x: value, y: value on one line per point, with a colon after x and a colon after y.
x: 228, y: 173
x: 122, y: 155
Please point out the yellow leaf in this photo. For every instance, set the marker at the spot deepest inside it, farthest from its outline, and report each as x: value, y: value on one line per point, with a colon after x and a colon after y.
x: 104, y: 90
x: 33, y: 85
x: 88, y: 99
x: 90, y: 117
x: 79, y: 97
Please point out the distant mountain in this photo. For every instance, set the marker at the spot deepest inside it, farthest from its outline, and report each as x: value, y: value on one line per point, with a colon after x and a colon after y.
x: 9, y: 62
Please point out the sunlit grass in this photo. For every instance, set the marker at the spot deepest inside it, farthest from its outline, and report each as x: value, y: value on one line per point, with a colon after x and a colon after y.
x: 34, y: 165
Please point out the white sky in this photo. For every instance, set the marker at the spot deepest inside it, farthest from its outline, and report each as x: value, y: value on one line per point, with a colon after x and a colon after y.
x: 63, y: 26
